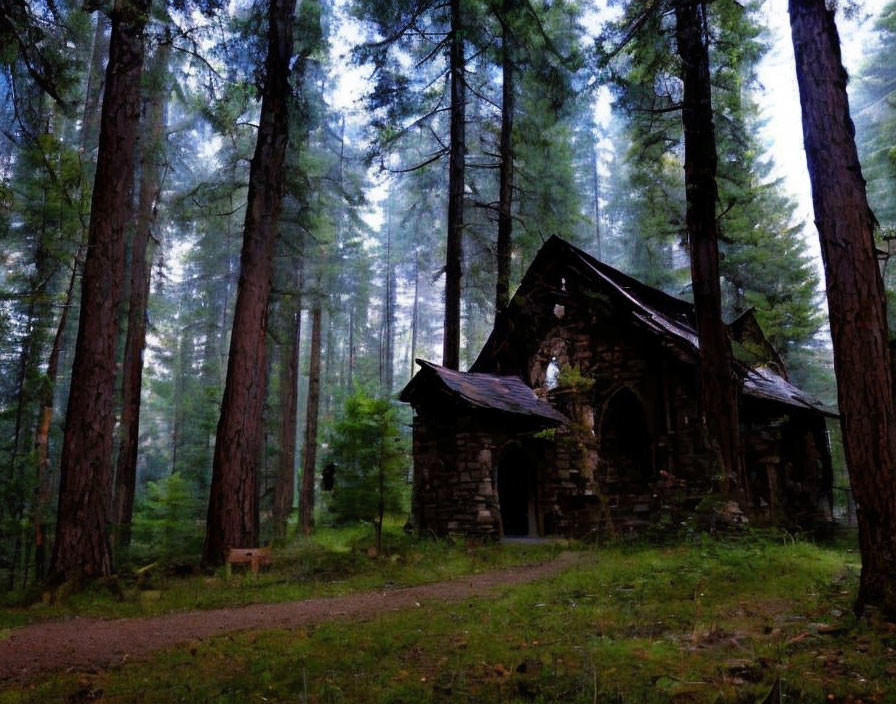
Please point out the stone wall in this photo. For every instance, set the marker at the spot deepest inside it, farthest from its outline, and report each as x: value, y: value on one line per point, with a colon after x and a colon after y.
x: 454, y: 487
x: 582, y: 487
x: 788, y: 464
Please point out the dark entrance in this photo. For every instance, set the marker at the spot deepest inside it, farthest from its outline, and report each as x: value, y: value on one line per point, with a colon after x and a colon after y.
x: 516, y: 492
x: 624, y: 441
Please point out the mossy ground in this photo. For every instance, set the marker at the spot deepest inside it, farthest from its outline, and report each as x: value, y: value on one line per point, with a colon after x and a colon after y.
x: 705, y: 621
x: 332, y: 562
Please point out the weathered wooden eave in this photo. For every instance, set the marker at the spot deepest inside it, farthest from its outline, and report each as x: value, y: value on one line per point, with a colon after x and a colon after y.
x: 486, y: 393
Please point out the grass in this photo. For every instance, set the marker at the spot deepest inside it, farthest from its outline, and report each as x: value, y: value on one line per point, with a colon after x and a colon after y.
x: 331, y: 562
x: 710, y: 621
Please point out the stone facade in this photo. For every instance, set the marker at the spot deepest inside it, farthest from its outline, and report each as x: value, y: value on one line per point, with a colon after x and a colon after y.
x: 632, y: 453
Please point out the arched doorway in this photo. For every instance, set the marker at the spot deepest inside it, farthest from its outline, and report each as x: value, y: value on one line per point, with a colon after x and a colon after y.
x: 625, y: 446
x: 516, y: 492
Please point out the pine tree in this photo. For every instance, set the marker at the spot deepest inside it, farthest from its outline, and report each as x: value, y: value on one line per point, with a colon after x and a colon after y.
x: 141, y: 252
x: 81, y: 544
x: 718, y: 385
x: 369, y: 462
x: 233, y: 501
x: 417, y: 23
x: 765, y: 265
x: 856, y: 299
x: 875, y: 118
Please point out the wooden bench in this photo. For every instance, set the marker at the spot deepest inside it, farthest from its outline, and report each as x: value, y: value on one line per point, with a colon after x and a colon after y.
x: 254, y: 557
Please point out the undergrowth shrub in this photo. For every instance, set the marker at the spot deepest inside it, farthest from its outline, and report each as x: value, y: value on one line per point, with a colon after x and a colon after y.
x: 165, y: 521
x: 370, y: 457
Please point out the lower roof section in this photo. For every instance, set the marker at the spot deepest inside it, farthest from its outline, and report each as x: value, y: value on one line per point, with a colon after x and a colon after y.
x: 505, y: 394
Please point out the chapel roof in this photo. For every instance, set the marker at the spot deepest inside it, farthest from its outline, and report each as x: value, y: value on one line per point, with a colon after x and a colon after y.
x: 505, y: 394
x: 670, y: 319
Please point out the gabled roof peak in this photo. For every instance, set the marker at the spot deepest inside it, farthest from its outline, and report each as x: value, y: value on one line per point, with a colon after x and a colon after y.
x: 665, y: 316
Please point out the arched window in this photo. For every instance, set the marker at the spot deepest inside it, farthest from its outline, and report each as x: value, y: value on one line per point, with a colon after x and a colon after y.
x: 625, y: 446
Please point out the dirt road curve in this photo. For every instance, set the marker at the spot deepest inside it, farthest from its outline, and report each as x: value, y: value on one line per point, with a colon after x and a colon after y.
x: 86, y: 644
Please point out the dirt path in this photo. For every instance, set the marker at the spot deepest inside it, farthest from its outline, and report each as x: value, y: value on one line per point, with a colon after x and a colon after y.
x: 88, y: 644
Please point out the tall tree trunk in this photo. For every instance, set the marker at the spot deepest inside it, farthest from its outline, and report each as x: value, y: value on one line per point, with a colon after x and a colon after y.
x: 284, y: 489
x: 233, y: 498
x: 82, y: 544
x: 504, y: 246
x: 351, y: 344
x: 328, y: 383
x: 42, y: 490
x: 32, y: 346
x: 454, y: 248
x: 90, y: 120
x: 177, y: 396
x: 309, y: 459
x: 856, y: 299
x: 414, y: 312
x: 151, y: 159
x: 595, y: 182
x: 95, y: 88
x: 387, y: 366
x: 718, y: 385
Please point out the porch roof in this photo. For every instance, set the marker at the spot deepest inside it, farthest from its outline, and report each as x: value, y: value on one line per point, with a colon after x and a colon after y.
x: 505, y: 394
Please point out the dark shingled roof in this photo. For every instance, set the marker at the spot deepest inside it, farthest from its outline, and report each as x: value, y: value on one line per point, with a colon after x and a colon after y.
x: 668, y: 316
x: 506, y: 394
x: 665, y: 316
x: 765, y: 383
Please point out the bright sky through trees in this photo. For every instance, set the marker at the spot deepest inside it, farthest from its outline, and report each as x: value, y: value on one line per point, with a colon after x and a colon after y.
x: 779, y: 100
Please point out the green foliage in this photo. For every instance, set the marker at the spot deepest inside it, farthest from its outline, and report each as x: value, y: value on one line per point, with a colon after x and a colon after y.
x: 571, y: 377
x: 409, y: 118
x: 333, y: 561
x: 874, y: 112
x: 764, y: 262
x: 165, y: 521
x: 371, y: 461
x: 645, y: 193
x: 712, y: 622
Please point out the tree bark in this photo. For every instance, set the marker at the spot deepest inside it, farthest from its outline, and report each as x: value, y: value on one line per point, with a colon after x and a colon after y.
x: 504, y: 245
x: 595, y: 180
x: 25, y: 394
x: 284, y: 489
x: 414, y: 312
x: 82, y: 545
x: 43, y: 485
x: 387, y: 363
x: 233, y: 497
x: 309, y: 458
x: 351, y: 344
x: 454, y: 248
x: 43, y: 490
x: 151, y: 158
x: 855, y: 292
x: 718, y: 384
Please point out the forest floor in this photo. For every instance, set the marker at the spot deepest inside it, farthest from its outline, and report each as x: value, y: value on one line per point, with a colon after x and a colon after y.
x: 90, y: 644
x: 707, y: 620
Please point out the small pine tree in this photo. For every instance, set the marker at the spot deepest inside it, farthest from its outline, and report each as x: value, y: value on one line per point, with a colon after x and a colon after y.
x: 165, y: 521
x: 370, y: 459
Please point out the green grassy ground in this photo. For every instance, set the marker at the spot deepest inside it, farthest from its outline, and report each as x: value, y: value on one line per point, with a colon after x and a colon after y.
x: 332, y: 562
x: 709, y: 621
